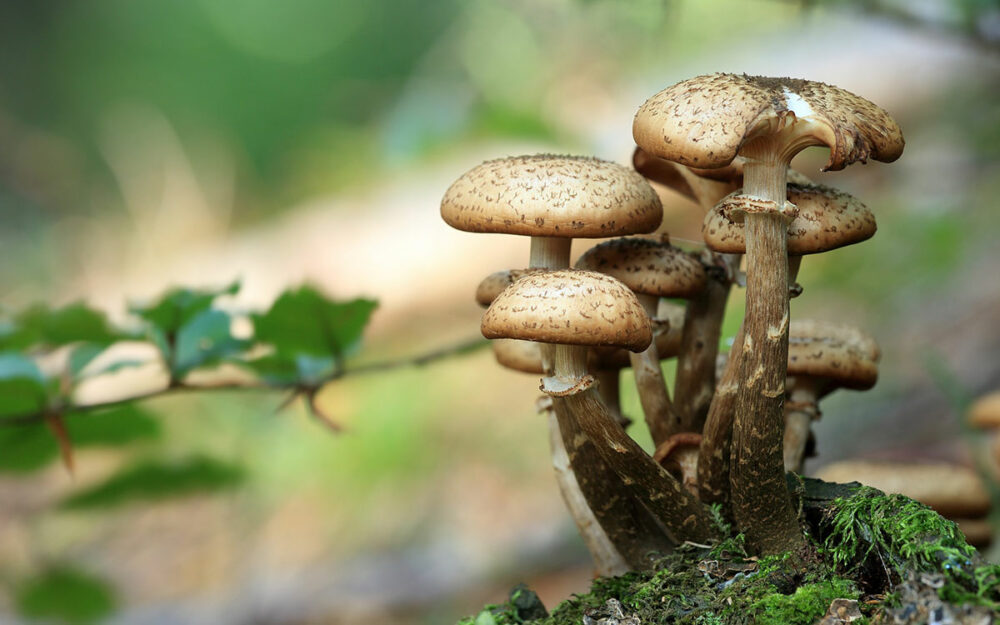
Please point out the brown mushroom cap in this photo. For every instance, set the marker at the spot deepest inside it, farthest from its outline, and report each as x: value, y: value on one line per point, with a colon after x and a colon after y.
x: 826, y: 219
x: 985, y: 412
x: 953, y: 491
x: 524, y: 356
x: 842, y: 354
x: 704, y: 121
x: 552, y: 196
x: 494, y: 284
x: 647, y: 267
x: 667, y: 333
x: 570, y: 307
x: 977, y: 532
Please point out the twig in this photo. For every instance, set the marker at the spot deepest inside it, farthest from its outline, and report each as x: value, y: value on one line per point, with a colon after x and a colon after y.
x: 419, y: 360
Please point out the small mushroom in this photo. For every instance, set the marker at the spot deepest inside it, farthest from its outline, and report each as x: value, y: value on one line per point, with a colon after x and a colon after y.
x: 578, y: 309
x: 822, y: 357
x: 985, y: 415
x: 652, y: 270
x: 679, y: 455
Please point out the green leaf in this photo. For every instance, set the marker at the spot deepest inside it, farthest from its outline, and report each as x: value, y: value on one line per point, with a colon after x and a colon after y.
x: 39, y: 325
x: 154, y: 480
x: 23, y: 389
x: 118, y: 425
x: 302, y: 321
x: 179, y: 306
x: 64, y: 594
x: 205, y: 340
x: 25, y: 448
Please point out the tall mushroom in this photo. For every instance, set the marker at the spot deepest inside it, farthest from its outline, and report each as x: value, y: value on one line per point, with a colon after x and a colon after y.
x: 553, y: 199
x: 652, y: 270
x: 706, y: 122
x: 576, y: 309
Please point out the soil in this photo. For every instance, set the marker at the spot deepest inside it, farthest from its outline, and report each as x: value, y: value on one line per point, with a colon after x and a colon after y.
x: 870, y: 558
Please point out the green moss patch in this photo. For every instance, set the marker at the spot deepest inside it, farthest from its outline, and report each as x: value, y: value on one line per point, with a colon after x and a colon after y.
x: 865, y: 546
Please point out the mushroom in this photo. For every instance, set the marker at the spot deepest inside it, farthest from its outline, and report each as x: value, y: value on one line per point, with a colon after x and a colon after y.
x: 679, y: 455
x: 706, y: 122
x: 822, y: 357
x: 985, y: 415
x: 651, y: 269
x: 574, y: 310
x: 552, y: 199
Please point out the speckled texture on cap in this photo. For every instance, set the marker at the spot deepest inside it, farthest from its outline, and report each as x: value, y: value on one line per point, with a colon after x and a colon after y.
x: 952, y: 490
x: 646, y: 266
x: 839, y: 353
x: 704, y: 121
x: 494, y: 284
x: 827, y: 219
x: 552, y: 196
x: 571, y: 307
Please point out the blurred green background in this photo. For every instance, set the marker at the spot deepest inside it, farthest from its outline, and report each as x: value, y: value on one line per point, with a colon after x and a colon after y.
x: 150, y: 144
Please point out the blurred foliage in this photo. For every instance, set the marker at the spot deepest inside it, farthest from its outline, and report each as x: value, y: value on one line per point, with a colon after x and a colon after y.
x: 152, y: 480
x: 66, y: 595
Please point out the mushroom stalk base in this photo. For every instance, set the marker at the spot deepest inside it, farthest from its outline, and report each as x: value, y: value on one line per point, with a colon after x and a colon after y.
x: 680, y: 513
x: 762, y: 505
x: 608, y: 561
x: 656, y: 407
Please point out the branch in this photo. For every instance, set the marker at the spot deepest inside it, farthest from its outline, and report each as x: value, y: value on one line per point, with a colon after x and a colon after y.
x: 420, y: 360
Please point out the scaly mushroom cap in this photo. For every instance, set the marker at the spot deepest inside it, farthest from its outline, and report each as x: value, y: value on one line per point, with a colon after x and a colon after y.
x: 524, y: 356
x: 570, y: 307
x: 704, y: 121
x: 494, y: 284
x: 953, y: 491
x: 985, y: 413
x: 647, y: 267
x: 845, y: 356
x: 552, y: 196
x: 668, y: 329
x: 826, y: 219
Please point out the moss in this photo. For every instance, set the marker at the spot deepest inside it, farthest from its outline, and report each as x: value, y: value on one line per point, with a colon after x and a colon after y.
x: 866, y: 544
x: 904, y: 535
x: 806, y: 605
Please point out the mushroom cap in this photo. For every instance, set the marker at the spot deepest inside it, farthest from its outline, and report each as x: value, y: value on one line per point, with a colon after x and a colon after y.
x: 841, y: 354
x: 552, y: 196
x: 977, y: 532
x: 570, y: 307
x: 646, y: 266
x: 667, y: 334
x: 494, y: 284
x: 952, y: 490
x: 826, y: 219
x: 524, y: 356
x: 985, y: 412
x: 704, y: 121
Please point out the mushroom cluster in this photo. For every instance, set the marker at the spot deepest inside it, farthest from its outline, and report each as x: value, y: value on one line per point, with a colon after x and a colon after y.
x: 723, y: 442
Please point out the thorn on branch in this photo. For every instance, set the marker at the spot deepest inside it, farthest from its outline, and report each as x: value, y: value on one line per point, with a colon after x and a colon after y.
x: 58, y: 428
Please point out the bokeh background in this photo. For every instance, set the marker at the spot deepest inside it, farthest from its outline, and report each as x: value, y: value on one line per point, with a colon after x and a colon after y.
x: 145, y: 145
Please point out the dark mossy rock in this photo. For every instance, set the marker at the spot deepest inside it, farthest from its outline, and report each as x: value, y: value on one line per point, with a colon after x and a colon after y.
x: 872, y: 558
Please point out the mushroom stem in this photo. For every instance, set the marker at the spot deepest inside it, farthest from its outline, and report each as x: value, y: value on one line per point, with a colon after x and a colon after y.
x: 608, y: 561
x: 550, y: 252
x: 609, y: 387
x: 610, y: 521
x: 762, y: 505
x: 800, y: 411
x: 653, y: 396
x: 694, y: 385
x: 794, y: 262
x: 716, y: 440
x: 680, y: 513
